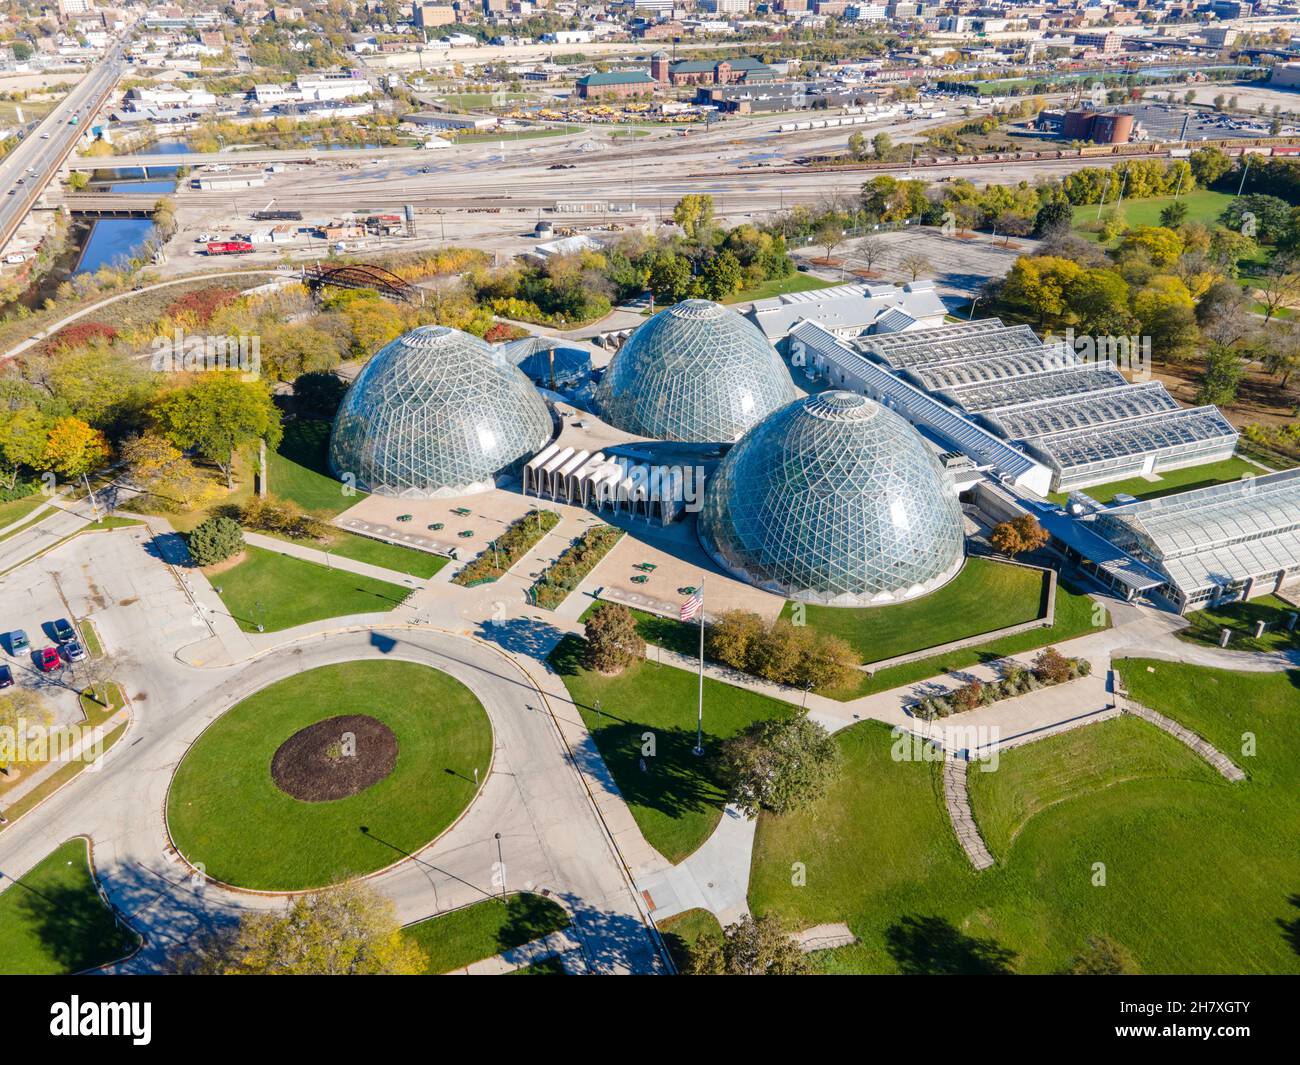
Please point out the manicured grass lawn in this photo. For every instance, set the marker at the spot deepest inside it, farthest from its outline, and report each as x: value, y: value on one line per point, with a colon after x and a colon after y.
x: 1035, y: 777
x: 1241, y: 617
x: 1184, y: 480
x: 53, y: 921
x: 298, y: 470
x: 17, y: 509
x: 1202, y: 206
x: 225, y: 811
x: 678, y: 800
x: 796, y: 282
x: 381, y: 553
x: 1200, y: 874
x: 684, y: 930
x: 485, y: 929
x: 90, y: 638
x: 985, y: 595
x: 293, y: 592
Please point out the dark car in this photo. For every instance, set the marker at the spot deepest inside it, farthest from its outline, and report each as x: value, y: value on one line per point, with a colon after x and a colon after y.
x: 18, y: 644
x: 63, y: 630
x: 6, y: 677
x: 47, y: 659
x: 73, y: 651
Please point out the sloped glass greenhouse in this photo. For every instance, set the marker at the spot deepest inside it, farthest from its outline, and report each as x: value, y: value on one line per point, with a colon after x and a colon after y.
x: 695, y: 372
x: 834, y: 500
x: 437, y: 413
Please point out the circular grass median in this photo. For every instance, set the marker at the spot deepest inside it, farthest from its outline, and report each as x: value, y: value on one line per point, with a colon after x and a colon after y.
x: 227, y: 814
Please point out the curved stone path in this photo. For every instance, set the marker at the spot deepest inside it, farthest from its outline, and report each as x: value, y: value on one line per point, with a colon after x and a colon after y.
x: 956, y: 798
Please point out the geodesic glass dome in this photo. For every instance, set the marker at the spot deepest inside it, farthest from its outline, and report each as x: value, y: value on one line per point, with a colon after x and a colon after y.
x: 437, y: 413
x: 696, y: 372
x: 834, y: 500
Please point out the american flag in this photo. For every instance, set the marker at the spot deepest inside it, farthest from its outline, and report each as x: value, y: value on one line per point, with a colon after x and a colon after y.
x: 693, y: 605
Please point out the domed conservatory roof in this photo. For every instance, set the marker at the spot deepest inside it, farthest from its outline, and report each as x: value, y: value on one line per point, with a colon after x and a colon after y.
x: 695, y: 372
x: 834, y: 500
x: 437, y: 412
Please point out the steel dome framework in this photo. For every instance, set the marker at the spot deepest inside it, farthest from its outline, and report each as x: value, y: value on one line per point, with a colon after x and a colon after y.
x: 695, y: 372
x: 437, y: 413
x: 834, y: 500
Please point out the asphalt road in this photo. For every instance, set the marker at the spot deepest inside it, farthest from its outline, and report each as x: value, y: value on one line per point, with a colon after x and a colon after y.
x: 26, y: 171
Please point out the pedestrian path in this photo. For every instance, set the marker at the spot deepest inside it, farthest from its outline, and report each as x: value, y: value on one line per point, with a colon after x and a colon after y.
x: 956, y: 798
x: 329, y: 560
x: 1225, y: 766
x: 556, y: 945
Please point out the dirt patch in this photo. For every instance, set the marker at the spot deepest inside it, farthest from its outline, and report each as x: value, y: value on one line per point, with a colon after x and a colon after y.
x: 334, y: 758
x: 224, y: 564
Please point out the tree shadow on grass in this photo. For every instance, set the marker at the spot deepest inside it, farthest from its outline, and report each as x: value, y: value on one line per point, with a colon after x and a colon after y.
x: 933, y: 946
x: 76, y: 929
x: 529, y: 916
x: 674, y: 781
x: 1291, y: 928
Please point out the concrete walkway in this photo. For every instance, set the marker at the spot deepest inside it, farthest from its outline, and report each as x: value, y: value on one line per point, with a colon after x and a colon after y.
x: 331, y: 561
x: 956, y: 798
x: 558, y: 944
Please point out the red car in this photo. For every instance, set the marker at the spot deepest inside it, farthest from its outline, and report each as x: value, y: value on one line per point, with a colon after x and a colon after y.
x: 47, y: 658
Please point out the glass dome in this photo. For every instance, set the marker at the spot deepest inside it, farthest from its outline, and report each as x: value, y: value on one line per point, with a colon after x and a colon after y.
x: 696, y: 372
x: 437, y: 413
x: 834, y: 500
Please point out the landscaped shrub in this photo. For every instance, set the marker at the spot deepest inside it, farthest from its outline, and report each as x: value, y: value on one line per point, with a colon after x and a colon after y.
x: 571, y: 568
x: 1050, y: 667
x: 520, y: 538
x: 613, y: 642
x: 215, y: 540
x: 784, y: 653
x: 80, y: 335
x: 197, y: 308
x: 281, y: 517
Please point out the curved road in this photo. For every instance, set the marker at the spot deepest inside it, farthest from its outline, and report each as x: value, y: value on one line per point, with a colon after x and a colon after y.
x: 551, y: 838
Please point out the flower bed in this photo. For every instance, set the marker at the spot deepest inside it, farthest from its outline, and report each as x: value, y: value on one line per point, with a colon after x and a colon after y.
x: 571, y: 568
x: 1049, y: 667
x: 520, y: 538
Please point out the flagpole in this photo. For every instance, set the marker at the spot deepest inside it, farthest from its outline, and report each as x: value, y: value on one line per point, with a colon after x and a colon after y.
x: 699, y: 720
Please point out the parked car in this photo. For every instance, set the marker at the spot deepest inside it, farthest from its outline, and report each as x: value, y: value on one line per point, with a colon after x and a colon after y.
x: 6, y: 677
x: 73, y: 651
x: 47, y: 659
x: 63, y: 630
x: 18, y: 644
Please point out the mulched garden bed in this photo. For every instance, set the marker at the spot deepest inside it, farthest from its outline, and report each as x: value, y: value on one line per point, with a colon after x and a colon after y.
x: 315, y: 764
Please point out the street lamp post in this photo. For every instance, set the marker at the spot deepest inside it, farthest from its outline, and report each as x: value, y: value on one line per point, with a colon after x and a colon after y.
x: 501, y: 864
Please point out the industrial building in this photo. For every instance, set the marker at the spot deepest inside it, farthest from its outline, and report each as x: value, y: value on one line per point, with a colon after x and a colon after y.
x: 850, y: 310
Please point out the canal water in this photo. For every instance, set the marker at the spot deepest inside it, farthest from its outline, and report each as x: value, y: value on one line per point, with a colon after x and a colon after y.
x: 114, y: 241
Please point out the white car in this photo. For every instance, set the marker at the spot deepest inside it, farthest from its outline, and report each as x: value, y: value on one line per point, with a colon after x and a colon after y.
x: 203, y: 238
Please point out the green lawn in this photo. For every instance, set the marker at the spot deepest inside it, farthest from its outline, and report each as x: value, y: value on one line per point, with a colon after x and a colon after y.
x: 52, y: 921
x: 17, y: 509
x: 1184, y: 480
x: 1202, y: 206
x: 985, y: 595
x: 1038, y: 776
x: 1204, y: 625
x: 1200, y: 874
x: 225, y: 811
x: 796, y: 282
x: 281, y: 591
x: 678, y: 800
x: 400, y: 559
x: 485, y: 929
x: 298, y: 470
x: 684, y: 930
x: 518, y: 135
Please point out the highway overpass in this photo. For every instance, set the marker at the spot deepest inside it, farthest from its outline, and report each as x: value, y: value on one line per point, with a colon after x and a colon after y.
x: 26, y: 170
